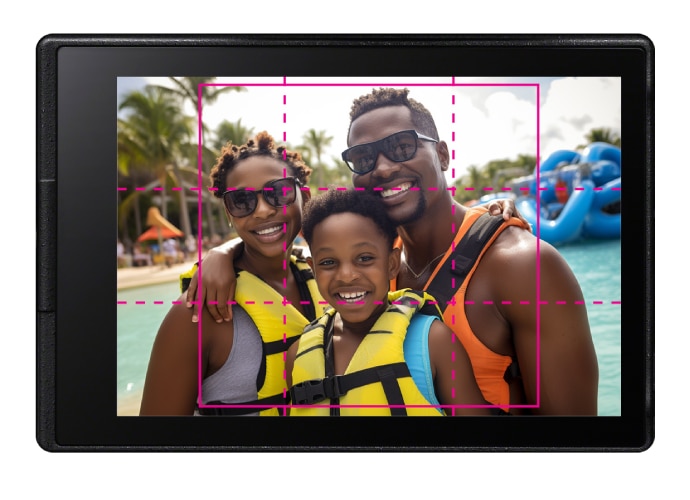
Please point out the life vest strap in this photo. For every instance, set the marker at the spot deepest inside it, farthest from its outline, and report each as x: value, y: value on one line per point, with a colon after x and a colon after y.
x: 463, y: 258
x: 313, y: 391
x: 278, y: 346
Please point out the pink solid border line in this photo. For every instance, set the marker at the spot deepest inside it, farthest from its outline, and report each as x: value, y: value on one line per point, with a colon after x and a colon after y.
x: 452, y: 84
x: 431, y: 302
x: 266, y: 407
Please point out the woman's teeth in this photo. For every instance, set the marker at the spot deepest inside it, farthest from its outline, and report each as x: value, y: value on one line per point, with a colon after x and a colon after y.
x: 269, y: 230
x: 398, y: 189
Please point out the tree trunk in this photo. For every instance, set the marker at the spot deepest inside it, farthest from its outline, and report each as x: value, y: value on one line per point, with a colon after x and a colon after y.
x: 210, y: 216
x: 137, y: 210
x: 184, y: 211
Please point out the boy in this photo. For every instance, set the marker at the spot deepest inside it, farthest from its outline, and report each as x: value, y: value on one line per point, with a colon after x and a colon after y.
x: 372, y: 353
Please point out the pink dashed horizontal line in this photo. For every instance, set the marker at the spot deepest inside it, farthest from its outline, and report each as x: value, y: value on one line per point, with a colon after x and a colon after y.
x: 379, y: 302
x: 345, y: 188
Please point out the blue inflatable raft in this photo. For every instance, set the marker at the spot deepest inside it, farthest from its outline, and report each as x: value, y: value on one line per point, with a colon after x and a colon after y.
x: 578, y: 196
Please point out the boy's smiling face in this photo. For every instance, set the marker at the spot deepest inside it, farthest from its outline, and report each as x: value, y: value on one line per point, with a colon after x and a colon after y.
x: 353, y: 265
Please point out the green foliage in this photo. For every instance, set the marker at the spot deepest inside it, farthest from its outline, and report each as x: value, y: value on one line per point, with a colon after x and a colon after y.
x: 601, y: 135
x: 233, y: 132
x: 494, y: 174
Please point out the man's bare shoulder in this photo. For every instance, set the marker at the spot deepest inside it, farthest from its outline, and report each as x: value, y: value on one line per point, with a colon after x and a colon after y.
x: 514, y: 242
x: 517, y: 251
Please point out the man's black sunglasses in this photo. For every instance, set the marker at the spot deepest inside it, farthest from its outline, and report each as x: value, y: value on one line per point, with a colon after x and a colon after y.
x: 277, y: 193
x: 401, y: 146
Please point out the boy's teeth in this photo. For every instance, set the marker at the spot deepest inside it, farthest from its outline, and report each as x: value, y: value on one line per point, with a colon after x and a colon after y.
x: 269, y: 230
x: 352, y: 296
x: 398, y: 189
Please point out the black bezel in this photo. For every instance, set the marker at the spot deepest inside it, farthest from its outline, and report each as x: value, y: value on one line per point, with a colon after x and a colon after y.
x: 76, y: 152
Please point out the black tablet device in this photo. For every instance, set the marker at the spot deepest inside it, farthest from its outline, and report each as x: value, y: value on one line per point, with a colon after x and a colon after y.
x: 129, y: 126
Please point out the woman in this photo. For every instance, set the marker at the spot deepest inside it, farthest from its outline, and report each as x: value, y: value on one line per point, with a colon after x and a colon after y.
x: 237, y: 367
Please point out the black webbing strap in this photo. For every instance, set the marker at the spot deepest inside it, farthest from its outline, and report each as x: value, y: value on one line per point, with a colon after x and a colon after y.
x: 334, y: 386
x: 301, y: 277
x: 389, y: 381
x: 465, y: 255
x: 278, y: 346
x: 329, y: 368
x: 251, y: 407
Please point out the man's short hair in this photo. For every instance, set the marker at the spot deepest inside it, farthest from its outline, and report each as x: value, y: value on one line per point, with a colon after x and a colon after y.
x: 381, y: 97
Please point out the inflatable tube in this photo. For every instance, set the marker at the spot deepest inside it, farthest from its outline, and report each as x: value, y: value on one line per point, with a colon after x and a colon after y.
x: 600, y: 225
x: 549, y: 164
x: 598, y: 151
x: 605, y: 171
x: 593, y: 180
x: 558, y: 157
x: 567, y: 226
x: 609, y: 193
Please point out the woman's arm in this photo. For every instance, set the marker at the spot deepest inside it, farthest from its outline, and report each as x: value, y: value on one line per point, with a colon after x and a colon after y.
x: 171, y: 385
x: 454, y: 380
x: 218, y: 282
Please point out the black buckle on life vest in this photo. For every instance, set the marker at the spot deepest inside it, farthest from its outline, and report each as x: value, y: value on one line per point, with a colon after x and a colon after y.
x: 313, y: 391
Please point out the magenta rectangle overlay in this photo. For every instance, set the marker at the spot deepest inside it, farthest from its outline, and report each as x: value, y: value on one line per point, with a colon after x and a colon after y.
x: 283, y: 100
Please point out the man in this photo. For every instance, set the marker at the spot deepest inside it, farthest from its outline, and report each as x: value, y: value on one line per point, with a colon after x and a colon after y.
x: 520, y: 312
x: 515, y: 304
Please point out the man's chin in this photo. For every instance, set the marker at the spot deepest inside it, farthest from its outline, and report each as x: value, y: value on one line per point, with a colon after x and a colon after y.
x: 403, y: 219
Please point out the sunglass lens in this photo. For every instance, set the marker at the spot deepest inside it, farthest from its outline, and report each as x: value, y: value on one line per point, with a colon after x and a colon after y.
x: 400, y: 147
x: 240, y: 203
x: 363, y: 157
x: 283, y: 192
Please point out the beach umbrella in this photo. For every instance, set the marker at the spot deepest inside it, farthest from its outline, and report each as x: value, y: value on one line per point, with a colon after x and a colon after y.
x: 165, y: 233
x: 159, y: 227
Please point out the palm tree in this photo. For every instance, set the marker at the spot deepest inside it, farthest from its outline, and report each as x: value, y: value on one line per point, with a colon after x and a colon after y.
x: 601, y: 135
x: 317, y: 142
x: 154, y: 132
x: 233, y: 132
x: 198, y: 89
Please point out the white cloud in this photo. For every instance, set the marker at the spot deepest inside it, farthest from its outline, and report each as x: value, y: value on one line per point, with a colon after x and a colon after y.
x: 573, y: 106
x: 495, y: 118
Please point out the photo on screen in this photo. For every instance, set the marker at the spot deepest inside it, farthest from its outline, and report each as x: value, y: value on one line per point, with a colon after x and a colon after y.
x: 552, y: 145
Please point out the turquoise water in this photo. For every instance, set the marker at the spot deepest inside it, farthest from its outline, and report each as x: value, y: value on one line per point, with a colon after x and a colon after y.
x: 595, y: 264
x: 137, y: 325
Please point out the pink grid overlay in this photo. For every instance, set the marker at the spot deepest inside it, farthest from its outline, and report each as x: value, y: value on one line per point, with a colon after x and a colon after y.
x: 282, y: 102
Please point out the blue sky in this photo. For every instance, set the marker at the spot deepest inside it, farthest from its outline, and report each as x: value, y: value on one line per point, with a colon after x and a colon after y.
x: 495, y: 118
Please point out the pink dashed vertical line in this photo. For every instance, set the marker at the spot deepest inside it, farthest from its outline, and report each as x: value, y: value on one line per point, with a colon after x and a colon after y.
x: 538, y: 270
x: 286, y: 266
x: 198, y: 233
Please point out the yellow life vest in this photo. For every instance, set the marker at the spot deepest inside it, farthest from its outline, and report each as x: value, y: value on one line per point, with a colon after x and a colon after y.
x: 280, y: 324
x: 377, y: 381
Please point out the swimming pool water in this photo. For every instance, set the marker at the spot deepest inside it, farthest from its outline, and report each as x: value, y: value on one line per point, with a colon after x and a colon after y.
x: 596, y: 266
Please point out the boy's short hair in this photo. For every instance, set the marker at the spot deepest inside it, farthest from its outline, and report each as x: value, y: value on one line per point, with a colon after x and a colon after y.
x: 382, y: 97
x: 262, y: 145
x: 337, y: 201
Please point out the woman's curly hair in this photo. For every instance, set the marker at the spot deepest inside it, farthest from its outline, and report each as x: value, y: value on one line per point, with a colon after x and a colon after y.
x: 262, y: 145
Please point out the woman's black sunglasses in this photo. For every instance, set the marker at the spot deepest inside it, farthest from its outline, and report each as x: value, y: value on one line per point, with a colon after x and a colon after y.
x: 401, y: 146
x: 277, y: 193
